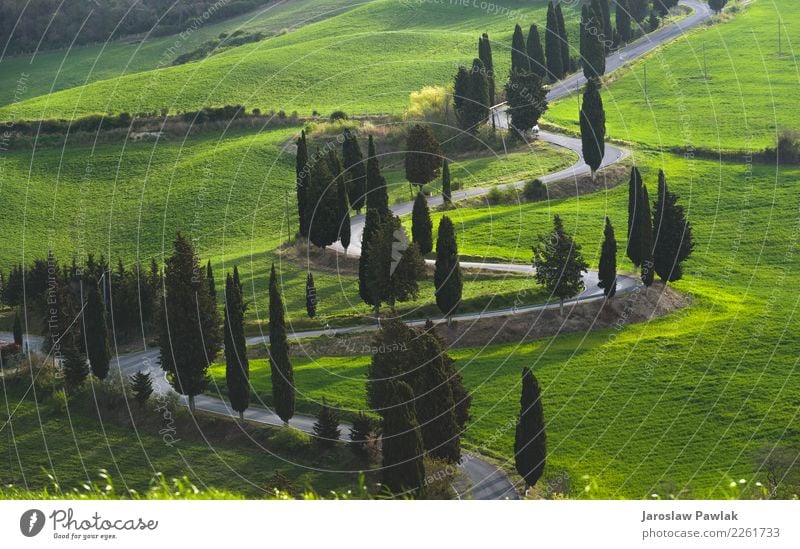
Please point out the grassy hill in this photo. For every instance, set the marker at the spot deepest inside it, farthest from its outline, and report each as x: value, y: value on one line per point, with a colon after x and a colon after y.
x: 365, y: 60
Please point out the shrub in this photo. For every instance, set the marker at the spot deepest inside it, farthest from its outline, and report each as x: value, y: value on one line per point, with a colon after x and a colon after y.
x: 534, y: 190
x: 338, y: 115
x: 290, y: 440
x: 788, y: 149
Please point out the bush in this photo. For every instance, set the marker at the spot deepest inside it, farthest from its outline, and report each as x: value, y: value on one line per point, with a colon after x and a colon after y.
x: 290, y: 440
x: 788, y: 148
x: 534, y: 190
x: 338, y: 115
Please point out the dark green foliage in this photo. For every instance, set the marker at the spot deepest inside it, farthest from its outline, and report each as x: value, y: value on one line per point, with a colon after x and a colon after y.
x: 362, y: 429
x: 212, y: 286
x: 559, y: 263
x: 403, y: 468
x: 653, y: 21
x: 461, y: 91
x: 645, y: 225
x: 96, y: 330
x: 607, y: 273
x: 640, y: 9
x: 311, y: 296
x: 475, y: 111
x: 623, y: 19
x: 535, y: 53
x: 447, y: 193
x: 75, y: 369
x: 17, y: 330
x: 394, y: 265
x: 447, y: 276
x: 534, y: 190
x: 423, y: 155
x: 302, y: 170
x: 527, y: 100
x: 12, y: 290
x: 338, y: 115
x: 377, y: 194
x: 601, y: 7
x: 282, y: 374
x: 485, y: 55
x: 633, y: 250
x: 371, y: 224
x: 356, y: 170
x: 326, y: 428
x: 717, y: 5
x: 530, y: 440
x: 593, y: 126
x: 237, y: 366
x: 142, y: 387
x: 343, y: 209
x: 421, y: 225
x: 663, y: 6
x: 322, y: 205
x: 552, y: 46
x: 393, y: 362
x: 519, y: 53
x: 593, y: 49
x: 563, y: 40
x: 190, y: 335
x: 673, y: 234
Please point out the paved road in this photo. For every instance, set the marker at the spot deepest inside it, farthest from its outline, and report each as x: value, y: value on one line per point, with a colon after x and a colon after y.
x: 487, y: 481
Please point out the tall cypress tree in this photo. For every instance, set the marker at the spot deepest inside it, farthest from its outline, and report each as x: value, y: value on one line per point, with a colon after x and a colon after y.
x: 403, y: 450
x: 17, y: 330
x: 674, y: 241
x: 302, y: 170
x: 190, y: 337
x: 476, y: 108
x: 423, y: 158
x: 447, y: 275
x: 519, y: 52
x: 633, y: 249
x: 447, y: 193
x: 645, y: 226
x: 96, y: 330
x: 237, y: 366
x: 322, y: 205
x: 593, y: 126
x: 394, y: 266
x: 563, y: 41
x: 623, y: 17
x: 461, y: 95
x: 485, y: 55
x: 421, y: 225
x: 552, y: 45
x: 377, y: 194
x: 356, y: 170
x: 371, y: 225
x: 326, y: 428
x: 282, y: 374
x: 530, y: 440
x: 604, y: 14
x: 559, y: 263
x: 533, y: 48
x: 311, y: 296
x: 343, y: 211
x: 593, y: 50
x: 607, y: 273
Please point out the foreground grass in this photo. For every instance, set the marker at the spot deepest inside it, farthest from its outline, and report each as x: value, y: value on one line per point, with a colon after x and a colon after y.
x: 741, y: 105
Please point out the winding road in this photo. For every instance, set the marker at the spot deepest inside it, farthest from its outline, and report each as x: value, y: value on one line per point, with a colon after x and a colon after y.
x: 487, y: 481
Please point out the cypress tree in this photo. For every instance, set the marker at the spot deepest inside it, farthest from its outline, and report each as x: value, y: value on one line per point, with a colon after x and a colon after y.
x: 527, y: 100
x: 385, y: 367
x: 394, y: 266
x: 96, y: 331
x: 623, y: 17
x: 403, y: 451
x: 717, y: 5
x: 237, y: 367
x: 423, y: 158
x: 447, y: 275
x: 559, y: 263
x: 519, y: 52
x: 343, y: 209
x: 447, y: 193
x: 75, y: 369
x: 533, y: 48
x: 17, y: 330
x: 302, y: 172
x: 552, y: 46
x: 607, y: 273
x: 633, y: 249
x: 674, y: 241
x: 326, y: 428
x: 593, y: 126
x: 360, y: 432
x: 530, y: 440
x: 311, y: 296
x: 645, y: 226
x: 461, y: 397
x: 371, y: 225
x: 421, y: 225
x: 476, y: 109
x: 604, y: 13
x: 282, y: 374
x: 639, y: 9
x: 461, y: 95
x: 190, y: 335
x: 663, y: 6
x: 485, y: 55
x: 377, y: 195
x: 322, y: 206
x: 142, y: 386
x: 212, y: 286
x: 593, y: 50
x: 356, y: 170
x: 563, y: 42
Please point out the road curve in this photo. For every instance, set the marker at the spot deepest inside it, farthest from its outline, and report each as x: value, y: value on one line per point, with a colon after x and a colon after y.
x: 488, y: 481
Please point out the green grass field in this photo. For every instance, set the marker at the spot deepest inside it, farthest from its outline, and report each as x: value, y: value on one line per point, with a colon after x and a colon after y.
x: 741, y: 105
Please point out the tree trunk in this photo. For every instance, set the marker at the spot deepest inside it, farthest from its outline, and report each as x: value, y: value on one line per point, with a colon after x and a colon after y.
x: 561, y: 307
x: 449, y: 320
x: 241, y: 415
x: 191, y: 403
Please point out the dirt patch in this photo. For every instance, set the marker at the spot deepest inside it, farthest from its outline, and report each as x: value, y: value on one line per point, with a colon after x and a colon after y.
x: 631, y: 308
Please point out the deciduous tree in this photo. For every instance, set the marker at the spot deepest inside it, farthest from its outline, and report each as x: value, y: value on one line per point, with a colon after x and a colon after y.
x: 559, y: 263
